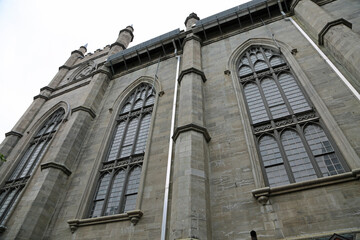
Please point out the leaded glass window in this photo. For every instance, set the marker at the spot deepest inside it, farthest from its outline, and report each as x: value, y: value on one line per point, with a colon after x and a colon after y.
x: 119, y: 180
x: 9, y: 193
x: 291, y: 140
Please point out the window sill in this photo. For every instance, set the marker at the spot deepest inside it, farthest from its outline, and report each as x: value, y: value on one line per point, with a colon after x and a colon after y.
x: 134, y: 216
x: 263, y: 194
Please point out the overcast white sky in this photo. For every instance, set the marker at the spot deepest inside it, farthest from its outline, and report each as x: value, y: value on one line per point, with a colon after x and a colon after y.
x: 37, y: 37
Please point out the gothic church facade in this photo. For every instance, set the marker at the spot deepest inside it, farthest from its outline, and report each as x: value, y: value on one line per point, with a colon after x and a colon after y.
x: 245, y: 125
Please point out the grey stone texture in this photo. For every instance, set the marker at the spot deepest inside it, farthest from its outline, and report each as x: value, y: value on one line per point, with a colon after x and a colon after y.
x: 214, y: 181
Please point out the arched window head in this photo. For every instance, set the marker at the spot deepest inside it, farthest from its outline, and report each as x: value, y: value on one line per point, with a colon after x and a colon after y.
x: 10, y: 192
x: 117, y: 188
x: 293, y: 149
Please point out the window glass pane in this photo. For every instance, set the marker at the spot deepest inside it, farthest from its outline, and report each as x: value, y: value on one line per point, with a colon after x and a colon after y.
x: 143, y: 133
x: 276, y: 60
x: 323, y: 151
x: 273, y: 98
x: 244, y: 70
x: 4, y: 215
x: 100, y: 196
x: 253, y: 58
x: 126, y: 108
x: 22, y: 162
x: 293, y: 93
x: 255, y: 103
x: 150, y: 101
x: 259, y: 56
x: 138, y: 104
x: 7, y: 201
x: 132, y: 188
x: 260, y: 65
x: 299, y: 161
x: 30, y: 172
x: 115, y: 146
x: 34, y: 157
x: 273, y: 162
x: 115, y: 195
x: 129, y: 139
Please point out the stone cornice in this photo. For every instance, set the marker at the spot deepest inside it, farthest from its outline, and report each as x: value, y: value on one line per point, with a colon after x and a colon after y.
x: 55, y: 165
x: 293, y: 6
x: 84, y: 109
x: 64, y: 67
x: 189, y: 38
x: 70, y: 89
x: 134, y: 216
x: 13, y: 133
x: 191, y: 127
x: 41, y: 96
x: 330, y: 25
x: 192, y: 70
x: 130, y: 32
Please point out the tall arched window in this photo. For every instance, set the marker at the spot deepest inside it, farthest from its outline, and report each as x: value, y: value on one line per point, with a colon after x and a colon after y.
x: 119, y: 180
x: 291, y: 140
x: 10, y: 192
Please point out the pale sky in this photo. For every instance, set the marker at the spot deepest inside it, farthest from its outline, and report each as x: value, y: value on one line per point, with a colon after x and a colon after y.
x: 37, y: 37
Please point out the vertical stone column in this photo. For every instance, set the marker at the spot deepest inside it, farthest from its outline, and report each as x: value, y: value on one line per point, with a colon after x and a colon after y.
x: 18, y: 130
x: 190, y: 212
x: 39, y: 202
x: 122, y: 42
x: 334, y: 34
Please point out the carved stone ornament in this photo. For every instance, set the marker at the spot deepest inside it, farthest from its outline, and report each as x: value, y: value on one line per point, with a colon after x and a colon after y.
x: 83, y: 71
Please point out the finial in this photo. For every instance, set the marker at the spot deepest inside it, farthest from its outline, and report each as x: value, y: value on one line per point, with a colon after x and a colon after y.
x: 85, y: 46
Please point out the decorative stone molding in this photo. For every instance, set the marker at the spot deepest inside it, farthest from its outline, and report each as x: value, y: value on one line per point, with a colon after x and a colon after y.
x: 47, y: 88
x: 104, y: 71
x: 85, y: 109
x: 192, y: 70
x: 191, y: 127
x: 192, y: 37
x: 191, y: 15
x: 134, y: 216
x: 13, y: 133
x: 330, y: 25
x: 64, y: 67
x: 41, y: 96
x: 118, y: 44
x: 78, y: 52
x: 263, y: 194
x: 55, y: 165
x: 83, y: 71
x: 69, y: 89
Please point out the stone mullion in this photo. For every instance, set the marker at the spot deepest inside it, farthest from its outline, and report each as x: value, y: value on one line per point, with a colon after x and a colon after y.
x: 284, y: 157
x: 308, y: 151
x: 108, y: 192
x: 124, y: 187
x: 124, y: 136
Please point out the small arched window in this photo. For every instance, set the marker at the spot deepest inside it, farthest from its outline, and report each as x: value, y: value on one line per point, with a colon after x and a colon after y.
x: 118, y: 184
x: 292, y: 144
x: 10, y: 192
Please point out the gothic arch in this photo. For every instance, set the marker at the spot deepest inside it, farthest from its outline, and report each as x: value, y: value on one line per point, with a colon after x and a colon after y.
x: 304, y: 84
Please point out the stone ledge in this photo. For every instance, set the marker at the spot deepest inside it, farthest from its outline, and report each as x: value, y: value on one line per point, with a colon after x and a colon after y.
x: 41, y: 96
x: 330, y: 25
x: 191, y: 127
x: 192, y: 70
x: 85, y: 109
x: 193, y: 37
x: 47, y: 88
x: 134, y: 216
x: 118, y: 44
x: 13, y: 133
x: 263, y: 194
x: 55, y: 165
x: 64, y: 67
x: 78, y: 52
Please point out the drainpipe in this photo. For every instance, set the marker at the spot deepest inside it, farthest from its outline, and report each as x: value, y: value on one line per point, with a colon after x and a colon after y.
x: 167, y: 182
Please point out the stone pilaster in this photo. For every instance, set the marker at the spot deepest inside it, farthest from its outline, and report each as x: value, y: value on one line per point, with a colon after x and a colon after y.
x: 190, y: 211
x: 334, y: 34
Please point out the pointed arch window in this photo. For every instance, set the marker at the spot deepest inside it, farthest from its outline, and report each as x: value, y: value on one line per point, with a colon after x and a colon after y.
x: 9, y: 193
x: 291, y: 139
x: 118, y: 184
